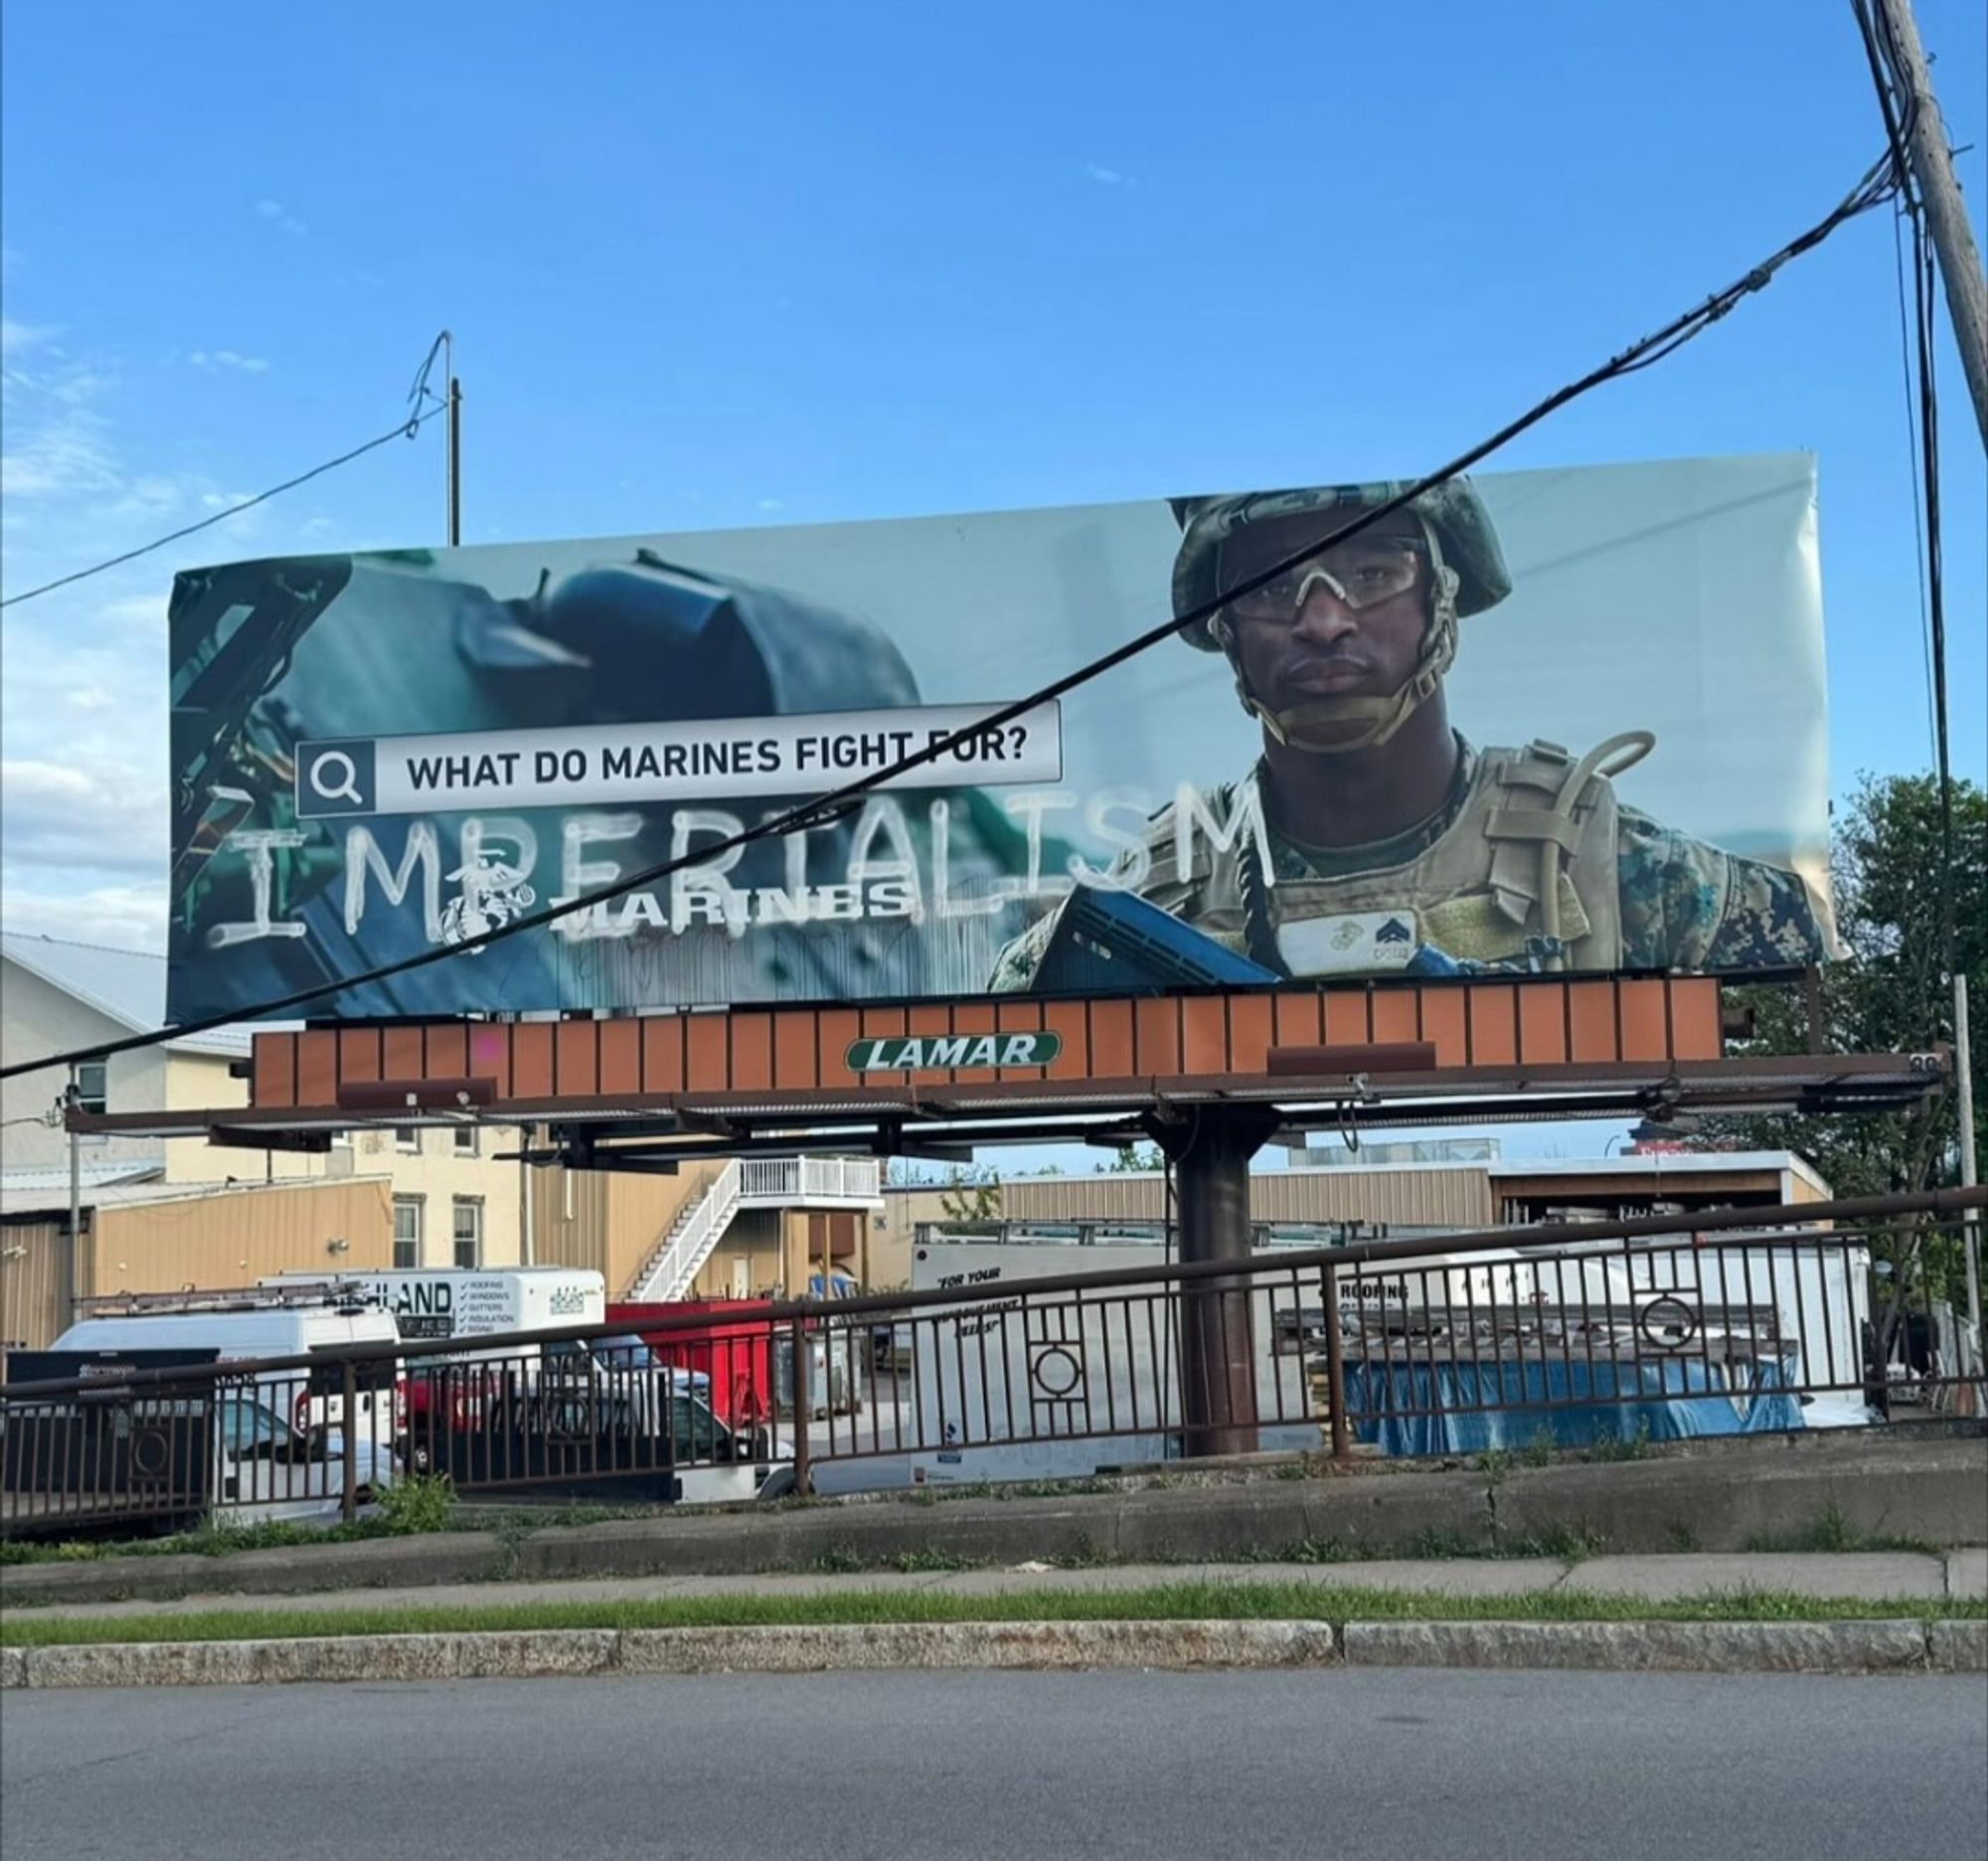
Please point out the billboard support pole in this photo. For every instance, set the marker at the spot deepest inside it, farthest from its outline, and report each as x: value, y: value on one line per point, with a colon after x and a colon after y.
x: 454, y: 460
x: 1211, y: 1151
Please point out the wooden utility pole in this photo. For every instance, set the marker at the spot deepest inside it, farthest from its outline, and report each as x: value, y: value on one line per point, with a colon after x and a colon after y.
x: 1931, y: 163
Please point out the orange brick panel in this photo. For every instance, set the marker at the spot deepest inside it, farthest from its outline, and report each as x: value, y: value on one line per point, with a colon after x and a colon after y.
x: 405, y: 1053
x: 663, y: 1052
x: 708, y: 1053
x: 1591, y: 1014
x: 620, y: 1056
x: 358, y: 1054
x: 532, y: 1060
x: 317, y: 1067
x: 1346, y: 1018
x: 1203, y: 1021
x: 1395, y: 1016
x: 1542, y: 1022
x: 1695, y: 1020
x: 576, y: 1059
x: 489, y: 1056
x: 1069, y: 1021
x: 1444, y: 1022
x: 1646, y: 1019
x: 275, y: 1081
x: 1112, y: 1050
x: 447, y: 1050
x: 1156, y: 1043
x: 1494, y: 1024
x: 794, y: 1067
x: 1297, y: 1021
x: 751, y: 1052
x: 1249, y: 1033
x: 838, y: 1027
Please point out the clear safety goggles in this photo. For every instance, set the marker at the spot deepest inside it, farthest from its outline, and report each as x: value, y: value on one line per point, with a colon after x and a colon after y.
x: 1359, y: 573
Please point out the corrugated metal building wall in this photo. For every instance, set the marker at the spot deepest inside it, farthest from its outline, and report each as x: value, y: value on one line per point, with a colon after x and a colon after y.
x: 227, y: 1239
x: 33, y: 1282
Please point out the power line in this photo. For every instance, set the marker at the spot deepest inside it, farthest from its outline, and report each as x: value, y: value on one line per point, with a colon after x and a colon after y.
x: 1874, y: 188
x: 1880, y: 49
x: 1912, y: 454
x: 404, y: 430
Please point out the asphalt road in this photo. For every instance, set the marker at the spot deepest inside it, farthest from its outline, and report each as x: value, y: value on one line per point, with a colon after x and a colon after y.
x: 1378, y: 1764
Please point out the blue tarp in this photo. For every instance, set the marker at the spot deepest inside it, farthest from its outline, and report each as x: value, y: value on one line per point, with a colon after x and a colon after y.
x: 1424, y: 1409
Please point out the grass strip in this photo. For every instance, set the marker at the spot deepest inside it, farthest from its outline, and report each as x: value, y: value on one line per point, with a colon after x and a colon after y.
x: 1198, y: 1602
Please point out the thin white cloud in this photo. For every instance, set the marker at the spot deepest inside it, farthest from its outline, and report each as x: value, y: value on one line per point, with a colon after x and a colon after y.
x: 64, y: 456
x: 16, y: 339
x: 123, y: 917
x: 1109, y: 177
x: 771, y: 504
x: 96, y: 818
x: 213, y: 359
x: 280, y: 217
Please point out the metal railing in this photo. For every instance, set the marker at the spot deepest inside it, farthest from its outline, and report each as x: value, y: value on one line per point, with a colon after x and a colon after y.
x: 697, y: 1231
x: 1734, y: 1322
x: 779, y: 1181
x: 748, y: 1182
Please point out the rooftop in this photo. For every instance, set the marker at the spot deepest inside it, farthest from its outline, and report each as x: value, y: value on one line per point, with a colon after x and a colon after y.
x: 126, y: 987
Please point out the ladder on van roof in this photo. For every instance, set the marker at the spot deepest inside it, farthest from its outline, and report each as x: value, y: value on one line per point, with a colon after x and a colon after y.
x: 334, y: 1295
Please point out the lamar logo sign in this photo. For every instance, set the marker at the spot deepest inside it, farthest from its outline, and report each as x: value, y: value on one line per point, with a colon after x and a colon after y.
x: 952, y: 1053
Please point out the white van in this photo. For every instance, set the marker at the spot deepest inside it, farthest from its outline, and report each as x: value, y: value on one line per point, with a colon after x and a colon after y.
x: 243, y: 1330
x: 281, y: 1440
x: 435, y: 1302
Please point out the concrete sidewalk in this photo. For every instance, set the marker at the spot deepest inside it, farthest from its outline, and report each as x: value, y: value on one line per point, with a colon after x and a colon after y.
x: 1881, y: 1575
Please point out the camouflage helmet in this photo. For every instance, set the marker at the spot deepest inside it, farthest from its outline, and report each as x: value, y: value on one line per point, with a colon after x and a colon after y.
x: 1452, y: 513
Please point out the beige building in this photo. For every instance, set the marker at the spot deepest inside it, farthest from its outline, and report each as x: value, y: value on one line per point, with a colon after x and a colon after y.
x: 450, y: 1200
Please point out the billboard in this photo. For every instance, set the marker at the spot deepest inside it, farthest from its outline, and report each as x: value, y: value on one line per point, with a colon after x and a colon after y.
x: 1553, y: 720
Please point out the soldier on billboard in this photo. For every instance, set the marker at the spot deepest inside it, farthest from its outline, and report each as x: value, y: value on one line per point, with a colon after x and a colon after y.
x: 1371, y: 837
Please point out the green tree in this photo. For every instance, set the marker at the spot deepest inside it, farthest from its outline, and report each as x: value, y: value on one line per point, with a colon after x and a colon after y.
x: 1133, y: 1160
x: 973, y: 1195
x: 1889, y: 993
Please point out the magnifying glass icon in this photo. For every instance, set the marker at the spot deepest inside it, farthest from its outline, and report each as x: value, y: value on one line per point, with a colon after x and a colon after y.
x: 327, y: 781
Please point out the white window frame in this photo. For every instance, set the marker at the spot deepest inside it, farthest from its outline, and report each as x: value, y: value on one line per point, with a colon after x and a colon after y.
x: 98, y: 1101
x: 408, y: 1139
x: 465, y: 1141
x: 417, y: 1206
x: 460, y: 1206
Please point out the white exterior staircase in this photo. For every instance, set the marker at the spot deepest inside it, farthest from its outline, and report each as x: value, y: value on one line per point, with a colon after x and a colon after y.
x: 750, y: 1182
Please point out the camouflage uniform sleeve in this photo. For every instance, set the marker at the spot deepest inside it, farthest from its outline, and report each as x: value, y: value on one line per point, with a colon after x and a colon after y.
x: 1690, y: 907
x: 1016, y: 967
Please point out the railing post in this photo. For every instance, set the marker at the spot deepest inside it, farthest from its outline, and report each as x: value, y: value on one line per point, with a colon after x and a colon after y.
x: 1335, y: 1367
x: 348, y: 1504
x: 803, y: 1408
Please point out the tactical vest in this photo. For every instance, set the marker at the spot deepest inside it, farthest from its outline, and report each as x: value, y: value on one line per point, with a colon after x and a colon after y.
x: 1478, y: 892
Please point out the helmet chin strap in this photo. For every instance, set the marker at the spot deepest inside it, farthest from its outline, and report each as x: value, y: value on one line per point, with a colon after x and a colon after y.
x: 1334, y: 723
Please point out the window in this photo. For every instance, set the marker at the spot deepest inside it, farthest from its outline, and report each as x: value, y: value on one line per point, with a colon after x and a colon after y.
x: 407, y: 1138
x: 341, y: 1140
x: 465, y: 1140
x: 468, y: 1232
x: 406, y: 1232
x: 247, y: 1425
x: 92, y: 1086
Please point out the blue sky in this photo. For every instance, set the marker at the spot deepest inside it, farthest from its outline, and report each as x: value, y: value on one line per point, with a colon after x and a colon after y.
x: 730, y: 265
